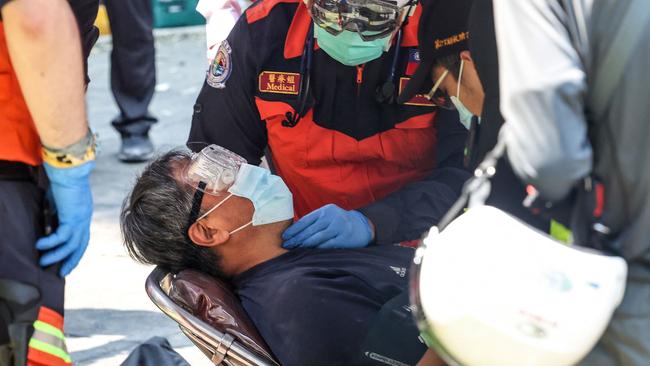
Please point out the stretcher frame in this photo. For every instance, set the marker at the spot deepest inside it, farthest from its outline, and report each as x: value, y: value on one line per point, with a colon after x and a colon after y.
x: 221, y: 348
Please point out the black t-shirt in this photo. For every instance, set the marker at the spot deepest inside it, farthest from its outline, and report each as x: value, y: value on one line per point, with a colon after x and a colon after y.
x: 316, y: 307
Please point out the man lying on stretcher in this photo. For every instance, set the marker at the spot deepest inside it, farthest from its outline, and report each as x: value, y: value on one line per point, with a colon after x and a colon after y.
x: 215, y: 213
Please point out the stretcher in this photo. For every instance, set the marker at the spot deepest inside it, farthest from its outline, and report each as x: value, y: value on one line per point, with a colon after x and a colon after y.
x: 210, y: 315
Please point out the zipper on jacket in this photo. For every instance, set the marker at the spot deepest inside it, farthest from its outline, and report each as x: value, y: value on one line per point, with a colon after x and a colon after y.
x: 359, y: 77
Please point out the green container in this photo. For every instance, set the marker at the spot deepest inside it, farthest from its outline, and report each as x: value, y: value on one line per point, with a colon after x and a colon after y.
x: 175, y: 13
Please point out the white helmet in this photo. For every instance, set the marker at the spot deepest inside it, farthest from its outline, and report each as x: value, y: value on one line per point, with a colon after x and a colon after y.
x: 491, y: 291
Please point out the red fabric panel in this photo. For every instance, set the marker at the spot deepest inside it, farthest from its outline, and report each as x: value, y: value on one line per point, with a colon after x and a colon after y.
x: 38, y: 358
x: 262, y: 9
x: 19, y: 140
x: 297, y: 34
x: 323, y: 166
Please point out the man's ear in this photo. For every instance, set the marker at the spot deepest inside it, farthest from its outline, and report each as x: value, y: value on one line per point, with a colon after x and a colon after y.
x: 202, y: 234
x: 467, y: 56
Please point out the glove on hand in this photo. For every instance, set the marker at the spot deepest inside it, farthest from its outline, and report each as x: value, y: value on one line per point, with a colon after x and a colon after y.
x: 70, y: 188
x: 329, y: 227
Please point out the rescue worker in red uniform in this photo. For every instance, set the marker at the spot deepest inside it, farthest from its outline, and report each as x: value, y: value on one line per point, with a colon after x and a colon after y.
x: 313, y: 85
x: 45, y: 146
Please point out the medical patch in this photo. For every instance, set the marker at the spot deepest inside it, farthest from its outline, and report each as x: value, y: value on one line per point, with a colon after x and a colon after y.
x: 413, y: 62
x: 279, y: 82
x: 418, y: 99
x: 221, y: 67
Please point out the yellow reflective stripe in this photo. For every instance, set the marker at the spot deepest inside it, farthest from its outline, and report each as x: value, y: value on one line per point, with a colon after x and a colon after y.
x: 561, y: 232
x: 47, y: 348
x: 49, y: 329
x: 49, y: 339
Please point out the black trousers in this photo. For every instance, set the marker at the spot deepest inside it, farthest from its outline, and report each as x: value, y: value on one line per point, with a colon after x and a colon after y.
x: 133, y: 67
x: 155, y: 351
x: 24, y: 285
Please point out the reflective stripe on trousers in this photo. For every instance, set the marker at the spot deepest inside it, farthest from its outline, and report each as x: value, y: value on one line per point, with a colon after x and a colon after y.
x: 47, y: 345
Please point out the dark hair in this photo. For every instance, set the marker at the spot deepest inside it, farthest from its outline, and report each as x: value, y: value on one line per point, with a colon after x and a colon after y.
x: 451, y: 63
x: 155, y: 215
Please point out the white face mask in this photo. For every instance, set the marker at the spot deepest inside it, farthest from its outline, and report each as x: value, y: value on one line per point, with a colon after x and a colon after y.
x: 272, y: 200
x: 464, y: 113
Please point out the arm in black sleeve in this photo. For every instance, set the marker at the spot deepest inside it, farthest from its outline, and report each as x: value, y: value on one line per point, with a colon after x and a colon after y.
x: 409, y: 212
x: 227, y: 115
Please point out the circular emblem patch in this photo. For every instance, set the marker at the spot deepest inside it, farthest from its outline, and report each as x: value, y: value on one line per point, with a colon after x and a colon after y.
x: 221, y: 67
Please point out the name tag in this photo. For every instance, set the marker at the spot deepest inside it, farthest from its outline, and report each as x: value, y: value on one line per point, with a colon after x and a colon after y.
x: 279, y: 82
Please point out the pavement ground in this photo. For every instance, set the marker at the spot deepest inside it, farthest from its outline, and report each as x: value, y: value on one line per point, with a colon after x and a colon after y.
x: 107, y: 310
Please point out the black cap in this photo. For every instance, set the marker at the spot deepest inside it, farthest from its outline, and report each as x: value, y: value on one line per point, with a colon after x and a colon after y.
x: 443, y: 30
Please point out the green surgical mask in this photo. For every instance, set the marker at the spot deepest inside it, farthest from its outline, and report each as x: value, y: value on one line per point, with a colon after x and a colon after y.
x: 348, y: 48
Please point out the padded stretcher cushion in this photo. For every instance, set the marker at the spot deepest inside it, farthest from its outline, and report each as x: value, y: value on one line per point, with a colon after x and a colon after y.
x: 212, y: 301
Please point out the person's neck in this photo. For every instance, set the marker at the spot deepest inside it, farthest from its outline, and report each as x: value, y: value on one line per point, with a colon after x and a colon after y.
x: 256, y: 249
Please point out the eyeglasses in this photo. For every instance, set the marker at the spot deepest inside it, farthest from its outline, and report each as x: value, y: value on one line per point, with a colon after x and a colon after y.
x: 438, y: 96
x: 371, y: 19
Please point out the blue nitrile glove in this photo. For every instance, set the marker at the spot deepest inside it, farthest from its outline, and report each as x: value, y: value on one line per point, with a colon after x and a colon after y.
x: 70, y: 188
x: 329, y: 227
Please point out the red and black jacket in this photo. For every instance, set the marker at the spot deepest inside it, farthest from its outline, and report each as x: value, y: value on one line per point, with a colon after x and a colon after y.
x: 401, y: 165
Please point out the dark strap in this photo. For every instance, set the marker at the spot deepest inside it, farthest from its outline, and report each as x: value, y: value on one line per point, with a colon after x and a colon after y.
x: 12, y: 170
x: 16, y: 171
x: 196, y: 203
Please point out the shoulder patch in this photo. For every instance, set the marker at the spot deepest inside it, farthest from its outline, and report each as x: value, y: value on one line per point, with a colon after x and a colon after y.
x: 262, y: 8
x: 413, y: 62
x: 221, y: 67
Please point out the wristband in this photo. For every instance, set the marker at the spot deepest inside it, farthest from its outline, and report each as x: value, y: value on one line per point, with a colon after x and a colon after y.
x: 73, y: 155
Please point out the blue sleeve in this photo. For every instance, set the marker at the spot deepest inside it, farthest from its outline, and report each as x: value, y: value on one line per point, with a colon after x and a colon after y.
x: 225, y: 112
x: 412, y: 210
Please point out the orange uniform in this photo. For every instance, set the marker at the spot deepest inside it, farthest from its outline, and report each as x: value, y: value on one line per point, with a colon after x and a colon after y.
x: 18, y: 138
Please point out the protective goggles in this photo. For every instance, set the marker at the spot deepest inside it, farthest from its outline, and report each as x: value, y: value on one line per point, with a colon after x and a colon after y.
x: 212, y: 170
x: 438, y: 96
x: 371, y: 19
